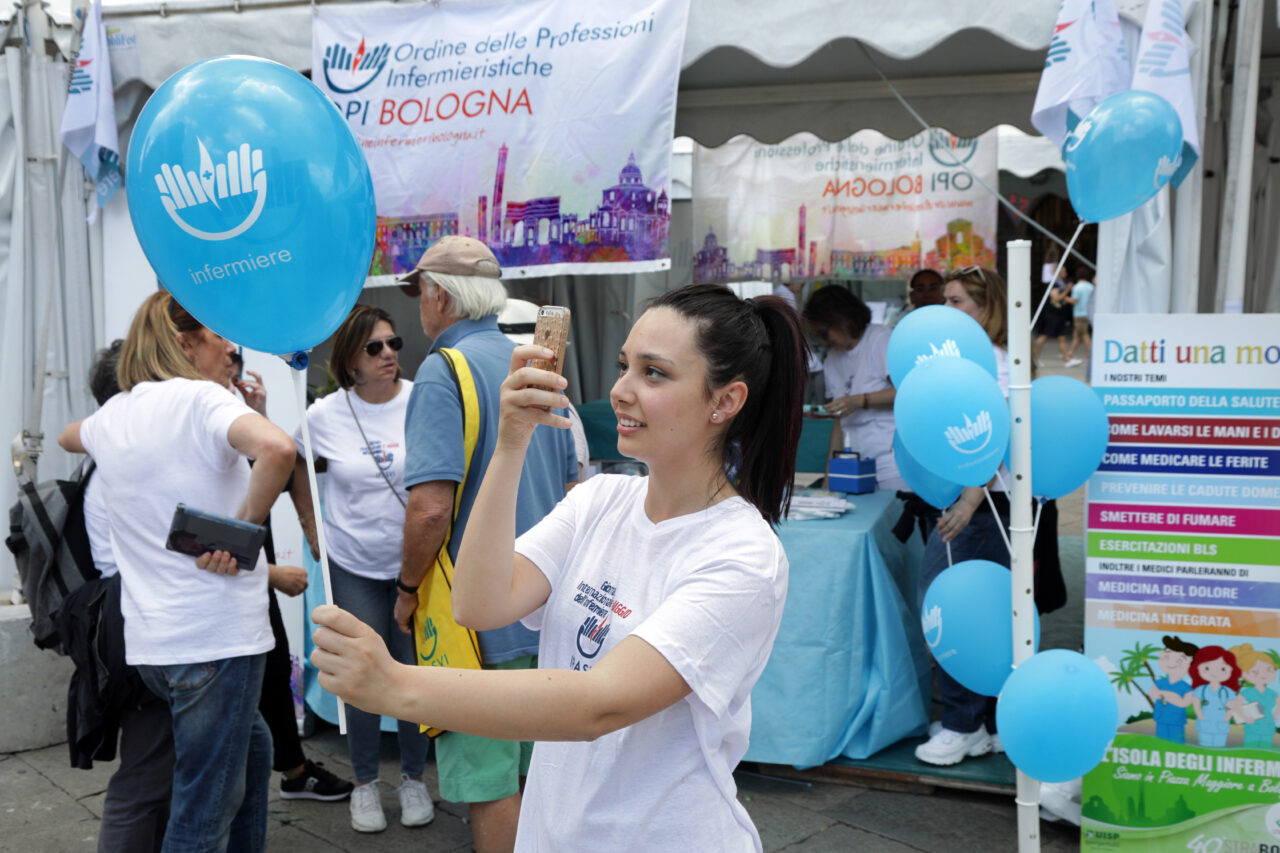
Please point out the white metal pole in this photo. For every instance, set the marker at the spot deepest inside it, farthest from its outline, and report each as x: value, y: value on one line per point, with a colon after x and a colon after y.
x: 1244, y: 120
x: 1021, y: 529
x: 1189, y: 198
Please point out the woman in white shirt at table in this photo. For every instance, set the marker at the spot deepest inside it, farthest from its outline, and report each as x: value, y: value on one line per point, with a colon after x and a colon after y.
x: 658, y: 597
x: 359, y: 431
x: 856, y: 371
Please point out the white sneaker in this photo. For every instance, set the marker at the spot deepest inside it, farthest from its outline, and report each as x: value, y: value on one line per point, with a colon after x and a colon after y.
x: 1074, y: 362
x: 416, y: 808
x: 366, y: 808
x: 948, y: 747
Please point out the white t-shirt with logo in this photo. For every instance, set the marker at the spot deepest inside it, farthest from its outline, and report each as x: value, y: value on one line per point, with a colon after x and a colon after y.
x: 706, y: 590
x: 363, y: 521
x: 156, y: 446
x: 865, y: 370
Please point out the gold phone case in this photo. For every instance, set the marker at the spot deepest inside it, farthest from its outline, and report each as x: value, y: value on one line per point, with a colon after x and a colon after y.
x: 552, y: 332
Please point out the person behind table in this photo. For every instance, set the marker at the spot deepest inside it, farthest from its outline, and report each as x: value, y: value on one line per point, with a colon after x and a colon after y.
x: 1080, y: 299
x: 973, y: 531
x: 658, y: 597
x: 1215, y: 694
x: 925, y: 288
x: 461, y: 296
x: 197, y: 630
x: 1260, y: 671
x: 301, y: 778
x: 136, y: 807
x: 856, y: 370
x: 359, y: 431
x: 1169, y: 694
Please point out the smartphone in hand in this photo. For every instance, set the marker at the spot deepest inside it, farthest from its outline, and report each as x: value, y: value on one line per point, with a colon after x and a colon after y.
x: 552, y: 332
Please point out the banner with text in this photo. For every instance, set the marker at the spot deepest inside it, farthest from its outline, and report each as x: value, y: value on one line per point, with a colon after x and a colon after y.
x: 1182, y: 583
x: 542, y: 129
x: 866, y: 207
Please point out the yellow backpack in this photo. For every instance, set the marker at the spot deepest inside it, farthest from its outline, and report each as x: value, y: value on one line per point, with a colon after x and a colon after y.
x: 440, y: 641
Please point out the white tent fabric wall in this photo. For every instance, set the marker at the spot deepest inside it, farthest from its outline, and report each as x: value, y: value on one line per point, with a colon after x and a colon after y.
x: 47, y: 264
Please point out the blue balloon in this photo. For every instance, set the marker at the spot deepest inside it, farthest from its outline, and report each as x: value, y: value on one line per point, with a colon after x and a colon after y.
x: 1056, y: 715
x: 953, y: 418
x: 933, y: 331
x: 252, y: 201
x: 1121, y: 154
x: 1069, y: 435
x: 933, y: 489
x: 967, y: 619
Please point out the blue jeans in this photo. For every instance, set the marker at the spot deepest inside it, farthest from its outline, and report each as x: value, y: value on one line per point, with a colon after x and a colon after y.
x: 222, y: 766
x: 963, y: 710
x: 373, y: 603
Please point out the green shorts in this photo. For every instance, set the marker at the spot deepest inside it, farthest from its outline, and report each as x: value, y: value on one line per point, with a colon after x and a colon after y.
x: 478, y: 769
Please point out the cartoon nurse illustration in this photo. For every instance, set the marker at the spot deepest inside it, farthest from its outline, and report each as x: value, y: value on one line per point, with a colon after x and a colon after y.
x: 1169, y: 695
x: 1260, y: 711
x: 1215, y: 680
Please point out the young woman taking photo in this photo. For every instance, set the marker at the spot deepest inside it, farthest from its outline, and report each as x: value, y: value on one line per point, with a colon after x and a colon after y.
x: 658, y: 597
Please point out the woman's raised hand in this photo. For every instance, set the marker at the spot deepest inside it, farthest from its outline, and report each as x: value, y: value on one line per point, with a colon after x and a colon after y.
x: 527, y: 397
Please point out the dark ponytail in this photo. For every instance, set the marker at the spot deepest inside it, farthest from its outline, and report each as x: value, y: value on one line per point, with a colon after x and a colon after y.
x: 758, y: 341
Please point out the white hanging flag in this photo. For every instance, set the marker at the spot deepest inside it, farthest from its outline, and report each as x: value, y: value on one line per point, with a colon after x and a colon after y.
x: 1086, y: 64
x: 89, y: 119
x: 1164, y: 68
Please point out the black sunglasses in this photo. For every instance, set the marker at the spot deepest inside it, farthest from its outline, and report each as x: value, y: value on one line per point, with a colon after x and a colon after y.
x: 374, y: 347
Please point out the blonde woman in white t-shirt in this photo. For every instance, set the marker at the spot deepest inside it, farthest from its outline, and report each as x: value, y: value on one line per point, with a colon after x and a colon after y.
x: 196, y: 630
x: 359, y: 431
x: 658, y: 597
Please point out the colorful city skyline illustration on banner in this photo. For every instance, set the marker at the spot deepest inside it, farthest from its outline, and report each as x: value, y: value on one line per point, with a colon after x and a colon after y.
x: 863, y: 208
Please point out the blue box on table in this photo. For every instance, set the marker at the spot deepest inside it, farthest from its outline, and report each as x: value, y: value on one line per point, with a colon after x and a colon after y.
x: 849, y: 472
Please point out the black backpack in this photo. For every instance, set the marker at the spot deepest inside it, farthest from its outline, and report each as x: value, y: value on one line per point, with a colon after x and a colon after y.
x: 50, y: 545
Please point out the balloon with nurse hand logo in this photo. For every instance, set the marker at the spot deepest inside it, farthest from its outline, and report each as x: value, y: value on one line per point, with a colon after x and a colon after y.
x: 1121, y: 154
x: 252, y: 201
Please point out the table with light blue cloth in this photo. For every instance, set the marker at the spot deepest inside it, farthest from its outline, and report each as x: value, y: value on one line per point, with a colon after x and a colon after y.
x: 849, y: 673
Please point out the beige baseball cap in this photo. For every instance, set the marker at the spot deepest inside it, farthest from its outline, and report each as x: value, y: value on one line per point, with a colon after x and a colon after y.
x: 456, y: 255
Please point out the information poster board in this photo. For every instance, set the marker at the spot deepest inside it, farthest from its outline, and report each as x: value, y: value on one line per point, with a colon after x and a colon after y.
x: 1182, y: 606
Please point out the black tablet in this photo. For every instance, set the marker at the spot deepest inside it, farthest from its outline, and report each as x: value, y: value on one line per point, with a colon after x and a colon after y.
x: 195, y: 532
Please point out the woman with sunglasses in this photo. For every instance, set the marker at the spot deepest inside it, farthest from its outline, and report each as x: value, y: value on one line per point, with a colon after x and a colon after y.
x: 359, y: 431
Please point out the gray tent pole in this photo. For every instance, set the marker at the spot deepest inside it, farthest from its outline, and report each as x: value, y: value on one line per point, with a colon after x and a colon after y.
x: 1189, y: 199
x: 1244, y: 121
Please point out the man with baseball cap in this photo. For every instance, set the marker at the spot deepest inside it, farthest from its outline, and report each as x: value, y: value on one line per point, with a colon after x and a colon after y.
x: 460, y: 297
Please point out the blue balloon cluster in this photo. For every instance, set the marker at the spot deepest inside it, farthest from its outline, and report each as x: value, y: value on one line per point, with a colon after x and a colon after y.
x: 1056, y: 715
x: 968, y: 625
x: 1121, y: 154
x: 253, y: 202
